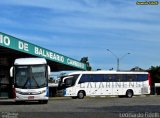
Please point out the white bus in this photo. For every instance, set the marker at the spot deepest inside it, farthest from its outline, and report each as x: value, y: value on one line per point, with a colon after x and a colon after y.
x: 30, y: 79
x: 103, y: 83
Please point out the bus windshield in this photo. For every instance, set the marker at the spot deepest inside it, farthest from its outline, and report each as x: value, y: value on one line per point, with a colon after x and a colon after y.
x: 30, y: 77
x: 70, y: 79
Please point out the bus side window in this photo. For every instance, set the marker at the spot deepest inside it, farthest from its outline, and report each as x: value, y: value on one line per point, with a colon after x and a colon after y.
x: 114, y: 78
x: 142, y: 77
x: 110, y: 78
x: 84, y: 78
x: 124, y: 78
x: 128, y: 78
x: 131, y: 77
x: 134, y: 76
x: 106, y: 78
x: 119, y: 77
x: 97, y: 78
x: 94, y: 78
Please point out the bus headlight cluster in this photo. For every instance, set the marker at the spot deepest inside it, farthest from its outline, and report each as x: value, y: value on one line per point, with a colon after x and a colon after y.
x: 31, y: 93
x: 23, y: 93
x: 43, y: 91
x: 18, y: 92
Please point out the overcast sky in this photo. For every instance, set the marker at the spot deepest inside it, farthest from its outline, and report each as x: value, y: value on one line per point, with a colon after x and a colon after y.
x: 78, y: 28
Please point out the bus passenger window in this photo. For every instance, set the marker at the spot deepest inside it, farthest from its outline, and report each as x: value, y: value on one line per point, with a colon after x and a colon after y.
x: 106, y: 78
x: 130, y: 77
x: 110, y: 78
x: 85, y: 78
x: 119, y: 77
x: 97, y: 78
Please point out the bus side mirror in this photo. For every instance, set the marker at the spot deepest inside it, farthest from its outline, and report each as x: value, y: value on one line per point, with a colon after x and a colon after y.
x: 11, y: 71
x: 68, y: 82
x: 49, y: 70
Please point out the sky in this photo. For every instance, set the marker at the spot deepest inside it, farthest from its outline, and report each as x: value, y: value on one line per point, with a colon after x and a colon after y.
x: 87, y: 28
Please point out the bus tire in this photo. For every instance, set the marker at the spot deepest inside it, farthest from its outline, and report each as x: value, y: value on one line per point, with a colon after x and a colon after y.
x: 121, y: 96
x: 43, y: 101
x: 129, y: 93
x: 81, y: 94
x: 19, y: 102
x: 74, y: 97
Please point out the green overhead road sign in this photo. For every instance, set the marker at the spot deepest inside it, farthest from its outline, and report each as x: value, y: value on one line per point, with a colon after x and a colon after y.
x: 26, y: 47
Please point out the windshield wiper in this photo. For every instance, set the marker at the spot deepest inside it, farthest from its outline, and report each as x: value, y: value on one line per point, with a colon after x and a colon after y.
x: 26, y: 83
x: 35, y: 82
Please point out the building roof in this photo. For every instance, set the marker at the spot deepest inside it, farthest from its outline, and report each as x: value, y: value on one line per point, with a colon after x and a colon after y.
x: 13, y: 48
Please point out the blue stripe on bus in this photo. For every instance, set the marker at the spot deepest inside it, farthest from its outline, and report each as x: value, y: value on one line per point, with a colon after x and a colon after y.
x: 64, y: 92
x: 47, y: 92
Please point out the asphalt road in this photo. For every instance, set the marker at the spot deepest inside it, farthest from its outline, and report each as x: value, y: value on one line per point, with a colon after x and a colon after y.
x: 89, y: 106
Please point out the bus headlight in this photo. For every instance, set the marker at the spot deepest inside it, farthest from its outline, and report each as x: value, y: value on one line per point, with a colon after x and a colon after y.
x: 43, y: 91
x: 18, y: 92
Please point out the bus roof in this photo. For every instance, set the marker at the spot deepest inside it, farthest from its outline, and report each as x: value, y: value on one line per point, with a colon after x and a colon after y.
x: 107, y: 72
x: 30, y: 61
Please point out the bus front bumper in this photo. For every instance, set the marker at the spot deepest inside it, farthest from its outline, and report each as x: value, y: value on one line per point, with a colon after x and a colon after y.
x: 20, y: 97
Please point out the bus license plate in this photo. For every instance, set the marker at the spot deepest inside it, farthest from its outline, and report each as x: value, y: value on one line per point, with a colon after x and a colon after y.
x: 31, y: 98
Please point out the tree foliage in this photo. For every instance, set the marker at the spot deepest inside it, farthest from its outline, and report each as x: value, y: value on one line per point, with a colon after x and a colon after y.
x: 155, y: 74
x: 155, y: 78
x: 85, y: 60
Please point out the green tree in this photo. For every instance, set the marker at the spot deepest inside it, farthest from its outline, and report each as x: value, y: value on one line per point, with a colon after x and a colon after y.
x: 155, y: 77
x: 155, y: 74
x: 85, y: 60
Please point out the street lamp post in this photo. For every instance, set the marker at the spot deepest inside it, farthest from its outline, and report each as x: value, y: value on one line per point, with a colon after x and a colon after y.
x: 117, y: 58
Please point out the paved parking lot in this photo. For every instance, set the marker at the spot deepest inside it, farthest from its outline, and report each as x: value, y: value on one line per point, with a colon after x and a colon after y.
x: 139, y: 104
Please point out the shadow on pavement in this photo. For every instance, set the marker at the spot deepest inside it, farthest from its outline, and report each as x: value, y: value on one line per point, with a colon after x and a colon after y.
x: 19, y: 103
x: 119, y: 109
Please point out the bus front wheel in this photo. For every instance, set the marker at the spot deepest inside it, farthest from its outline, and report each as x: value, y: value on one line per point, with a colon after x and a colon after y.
x: 81, y: 94
x: 43, y: 101
x: 129, y: 93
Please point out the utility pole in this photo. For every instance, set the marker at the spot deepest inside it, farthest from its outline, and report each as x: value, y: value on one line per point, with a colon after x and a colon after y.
x: 117, y: 58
